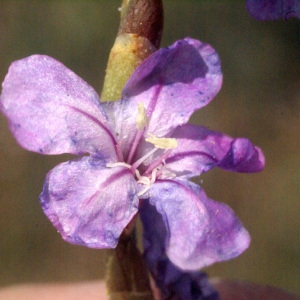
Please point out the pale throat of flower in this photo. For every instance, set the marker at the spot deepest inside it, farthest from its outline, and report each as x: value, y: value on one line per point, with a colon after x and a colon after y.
x: 156, y: 168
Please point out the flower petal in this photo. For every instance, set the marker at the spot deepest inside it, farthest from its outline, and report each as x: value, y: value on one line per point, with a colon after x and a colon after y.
x: 88, y: 203
x: 200, y: 231
x: 52, y: 111
x: 171, y: 84
x: 273, y: 9
x: 243, y: 156
x: 172, y: 282
x: 200, y: 149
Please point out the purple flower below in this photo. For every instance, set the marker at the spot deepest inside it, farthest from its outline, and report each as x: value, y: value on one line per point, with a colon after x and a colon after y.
x: 132, y: 152
x: 172, y: 282
x: 273, y: 9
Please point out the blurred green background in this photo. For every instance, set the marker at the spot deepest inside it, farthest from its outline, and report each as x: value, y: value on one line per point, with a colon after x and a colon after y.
x: 260, y: 99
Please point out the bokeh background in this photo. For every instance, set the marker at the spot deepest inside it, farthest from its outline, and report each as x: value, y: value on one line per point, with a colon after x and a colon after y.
x: 260, y: 99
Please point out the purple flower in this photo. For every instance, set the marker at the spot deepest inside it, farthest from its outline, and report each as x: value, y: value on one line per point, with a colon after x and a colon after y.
x: 135, y: 150
x: 273, y: 9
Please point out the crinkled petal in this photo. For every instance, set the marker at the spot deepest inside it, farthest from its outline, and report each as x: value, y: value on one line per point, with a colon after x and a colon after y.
x: 52, y: 111
x: 200, y: 149
x: 88, y: 203
x: 200, y: 231
x: 273, y: 9
x: 171, y: 84
x: 242, y: 156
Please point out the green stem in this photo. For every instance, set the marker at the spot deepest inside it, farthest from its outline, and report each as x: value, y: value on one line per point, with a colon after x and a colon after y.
x: 127, y: 276
x: 138, y: 37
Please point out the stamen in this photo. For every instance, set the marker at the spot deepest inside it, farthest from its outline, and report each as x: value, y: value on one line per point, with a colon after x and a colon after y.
x: 138, y: 175
x: 165, y: 174
x: 162, y: 143
x: 118, y: 164
x: 160, y: 160
x: 142, y: 123
x: 142, y: 159
x: 153, y: 175
x: 146, y: 181
x: 142, y: 179
x: 146, y: 189
x: 135, y: 144
x: 141, y: 119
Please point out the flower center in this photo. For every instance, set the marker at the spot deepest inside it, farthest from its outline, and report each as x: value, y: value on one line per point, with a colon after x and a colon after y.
x: 157, y: 168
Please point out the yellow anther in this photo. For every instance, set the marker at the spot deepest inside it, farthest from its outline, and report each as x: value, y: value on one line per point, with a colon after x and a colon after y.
x: 141, y: 119
x: 162, y: 143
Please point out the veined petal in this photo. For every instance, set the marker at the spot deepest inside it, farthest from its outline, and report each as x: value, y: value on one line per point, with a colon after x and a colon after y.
x: 200, y: 149
x: 171, y: 84
x: 273, y: 9
x: 52, y: 111
x: 200, y: 231
x: 88, y: 203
